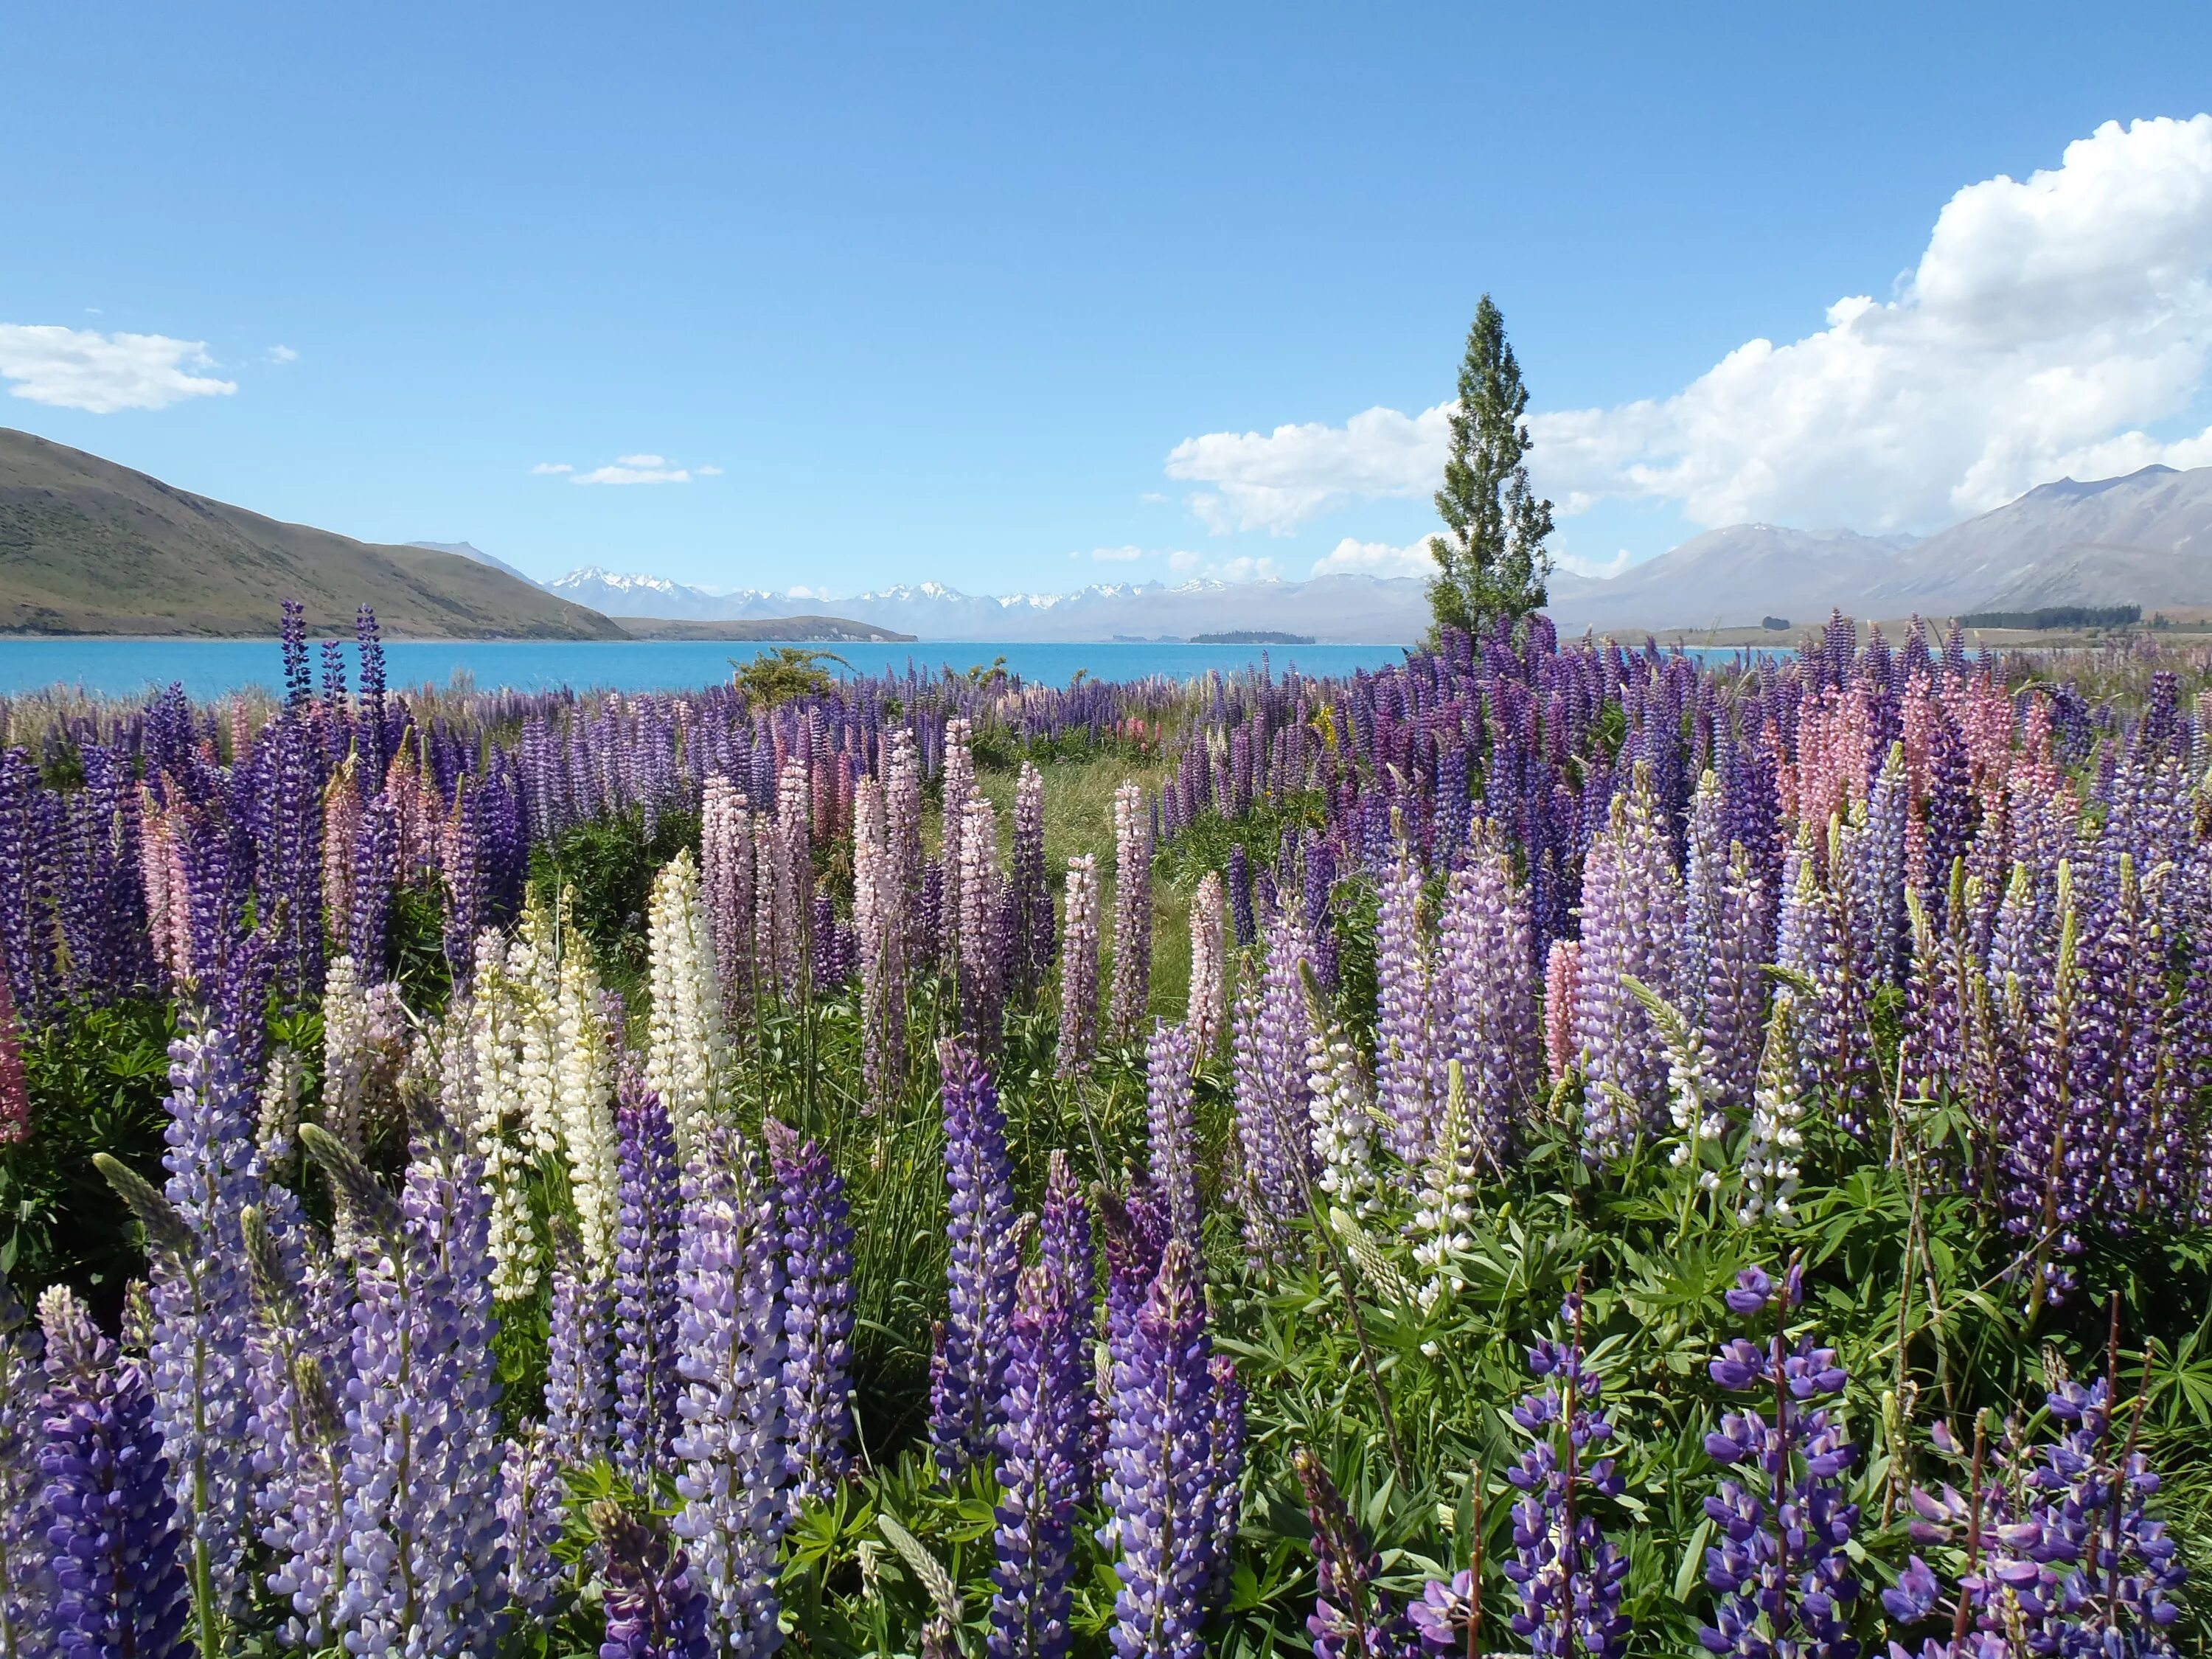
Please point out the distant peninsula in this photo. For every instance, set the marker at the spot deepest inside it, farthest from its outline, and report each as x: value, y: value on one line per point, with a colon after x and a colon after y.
x: 1251, y: 636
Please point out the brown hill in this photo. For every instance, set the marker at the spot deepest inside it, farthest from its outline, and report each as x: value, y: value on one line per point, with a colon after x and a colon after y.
x: 89, y: 547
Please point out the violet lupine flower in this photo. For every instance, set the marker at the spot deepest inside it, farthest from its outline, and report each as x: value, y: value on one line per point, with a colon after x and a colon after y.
x: 1207, y: 1006
x: 1631, y: 919
x: 817, y: 1317
x: 1352, y: 1617
x: 967, y: 1376
x: 727, y: 890
x: 116, y: 1550
x: 1078, y: 969
x: 1321, y: 926
x: 1044, y: 1446
x: 1570, y: 1575
x: 370, y: 740
x: 1271, y: 1030
x: 25, y: 1585
x: 645, y: 1380
x: 1780, y: 1568
x: 530, y: 1520
x: 1409, y: 1062
x: 1132, y: 916
x: 1240, y: 897
x: 580, y: 1404
x: 1165, y: 1418
x: 1030, y: 945
x: 654, y: 1612
x: 730, y: 1441
x: 1171, y: 1137
x: 1485, y: 994
x: 423, y: 1481
x: 983, y: 943
x: 204, y: 1320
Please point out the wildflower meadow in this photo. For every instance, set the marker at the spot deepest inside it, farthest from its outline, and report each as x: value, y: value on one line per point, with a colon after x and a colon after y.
x: 1549, y: 1148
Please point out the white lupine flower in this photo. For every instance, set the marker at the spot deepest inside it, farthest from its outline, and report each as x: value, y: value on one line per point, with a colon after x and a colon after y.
x: 533, y: 973
x: 584, y: 1086
x: 1692, y: 1083
x: 1769, y: 1164
x: 345, y: 1051
x: 684, y: 1031
x: 493, y: 1089
x: 1343, y: 1113
x: 1443, y: 1213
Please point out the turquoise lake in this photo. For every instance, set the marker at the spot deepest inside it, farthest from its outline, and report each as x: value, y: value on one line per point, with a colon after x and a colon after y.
x: 209, y: 668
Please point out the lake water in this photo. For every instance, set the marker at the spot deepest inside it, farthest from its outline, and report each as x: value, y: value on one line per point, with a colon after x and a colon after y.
x: 209, y: 668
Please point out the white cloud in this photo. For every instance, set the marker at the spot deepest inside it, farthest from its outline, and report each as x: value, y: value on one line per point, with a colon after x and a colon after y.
x: 82, y: 368
x: 645, y: 462
x: 2050, y: 323
x: 1276, y: 481
x: 623, y: 473
x: 1184, y: 559
x: 547, y: 469
x: 1118, y: 555
x: 710, y: 472
x: 282, y: 354
x: 1350, y: 557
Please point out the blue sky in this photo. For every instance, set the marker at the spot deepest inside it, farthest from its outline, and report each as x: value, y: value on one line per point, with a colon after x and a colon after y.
x: 1019, y: 297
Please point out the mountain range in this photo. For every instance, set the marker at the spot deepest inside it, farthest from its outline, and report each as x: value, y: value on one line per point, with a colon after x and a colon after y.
x: 88, y: 546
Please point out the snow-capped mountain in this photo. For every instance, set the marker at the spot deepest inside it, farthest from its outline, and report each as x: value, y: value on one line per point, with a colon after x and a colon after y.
x: 1364, y: 610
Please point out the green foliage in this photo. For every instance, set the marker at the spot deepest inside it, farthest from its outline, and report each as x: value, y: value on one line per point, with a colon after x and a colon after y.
x: 1203, y: 844
x: 609, y: 865
x: 1490, y: 562
x: 97, y: 1079
x: 782, y: 673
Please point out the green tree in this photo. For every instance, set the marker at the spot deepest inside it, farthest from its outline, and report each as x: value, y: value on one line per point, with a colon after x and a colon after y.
x: 1491, y: 561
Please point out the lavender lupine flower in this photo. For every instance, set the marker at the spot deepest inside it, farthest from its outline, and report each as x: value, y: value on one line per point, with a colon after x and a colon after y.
x: 1078, y: 969
x: 1353, y: 1618
x: 1274, y: 1097
x: 1167, y: 1519
x: 731, y: 1439
x: 1045, y: 1445
x: 1171, y: 1135
x: 654, y: 1612
x: 530, y: 1520
x: 422, y: 1482
x: 579, y: 1405
x: 1132, y: 916
x: 1484, y: 994
x: 1631, y: 919
x: 1409, y: 1061
x: 1031, y: 947
x: 1240, y: 898
x: 116, y: 1548
x: 967, y: 1373
x: 1208, y: 1013
x: 1782, y: 1577
x: 1570, y: 1575
x: 817, y: 1318
x: 203, y: 1312
x: 25, y: 1586
x: 728, y: 888
x: 983, y: 944
x: 645, y: 1381
x: 886, y: 929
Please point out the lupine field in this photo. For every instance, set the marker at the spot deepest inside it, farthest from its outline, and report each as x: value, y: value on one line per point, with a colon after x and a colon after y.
x: 1548, y: 1149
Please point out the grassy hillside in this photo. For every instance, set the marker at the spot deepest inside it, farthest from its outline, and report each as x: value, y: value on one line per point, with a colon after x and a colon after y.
x: 89, y: 547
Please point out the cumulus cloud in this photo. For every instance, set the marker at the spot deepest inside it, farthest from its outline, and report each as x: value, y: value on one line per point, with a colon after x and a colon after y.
x: 1118, y: 555
x: 549, y: 469
x: 1596, y: 569
x: 2050, y: 323
x: 100, y: 374
x: 710, y: 472
x: 282, y: 354
x: 621, y: 473
x: 1275, y: 481
x: 645, y: 462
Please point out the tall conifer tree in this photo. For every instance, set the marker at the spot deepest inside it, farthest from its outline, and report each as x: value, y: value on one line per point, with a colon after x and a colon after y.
x: 1491, y: 561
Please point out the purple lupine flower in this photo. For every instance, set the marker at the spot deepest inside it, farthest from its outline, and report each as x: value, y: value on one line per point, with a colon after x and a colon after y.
x: 1078, y: 969
x: 370, y: 738
x: 1631, y: 919
x: 579, y: 1405
x: 1163, y: 1419
x: 1780, y: 1568
x: 654, y: 1612
x: 731, y: 1442
x: 645, y: 1380
x: 1409, y: 1061
x: 1171, y: 1137
x: 1570, y: 1575
x: 25, y: 1585
x: 292, y: 642
x: 116, y: 1549
x: 1485, y: 992
x: 1270, y: 1032
x: 1132, y: 916
x: 425, y: 1561
x: 1352, y: 1617
x: 818, y: 1256
x: 1240, y: 897
x: 1319, y: 885
x: 204, y: 1322
x: 968, y: 1372
x: 1031, y: 937
x: 1042, y: 1445
x: 530, y: 1520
